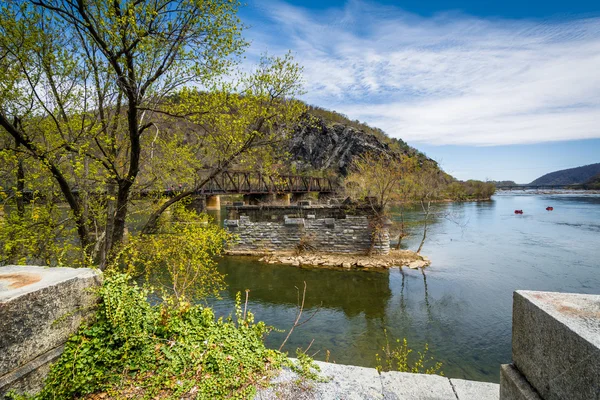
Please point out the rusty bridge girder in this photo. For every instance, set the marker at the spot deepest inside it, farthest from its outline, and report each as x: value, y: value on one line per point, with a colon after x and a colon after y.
x: 244, y: 182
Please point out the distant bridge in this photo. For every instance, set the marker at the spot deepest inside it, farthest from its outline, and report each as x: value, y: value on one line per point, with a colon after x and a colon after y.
x: 537, y: 187
x: 259, y: 188
x: 245, y: 182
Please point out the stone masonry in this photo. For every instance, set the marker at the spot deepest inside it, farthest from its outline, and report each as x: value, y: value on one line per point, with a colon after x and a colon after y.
x: 349, y: 235
x: 39, y: 309
x: 555, y: 348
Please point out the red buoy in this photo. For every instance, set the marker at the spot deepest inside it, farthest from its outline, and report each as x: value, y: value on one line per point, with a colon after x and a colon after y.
x: 518, y: 211
x: 549, y: 208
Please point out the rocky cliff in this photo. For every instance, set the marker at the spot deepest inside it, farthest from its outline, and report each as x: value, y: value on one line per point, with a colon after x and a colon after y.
x: 322, y: 145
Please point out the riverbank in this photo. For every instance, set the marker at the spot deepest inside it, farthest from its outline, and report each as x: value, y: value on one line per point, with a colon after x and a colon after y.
x: 395, y: 258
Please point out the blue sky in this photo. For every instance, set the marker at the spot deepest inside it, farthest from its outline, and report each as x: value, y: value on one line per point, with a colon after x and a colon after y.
x: 490, y: 89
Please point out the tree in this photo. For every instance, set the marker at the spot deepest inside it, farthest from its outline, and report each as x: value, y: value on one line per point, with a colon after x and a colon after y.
x: 86, y: 85
x: 381, y: 180
x: 429, y: 182
x: 251, y: 117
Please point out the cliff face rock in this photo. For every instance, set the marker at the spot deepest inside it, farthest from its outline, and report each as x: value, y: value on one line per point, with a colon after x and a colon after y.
x: 321, y: 146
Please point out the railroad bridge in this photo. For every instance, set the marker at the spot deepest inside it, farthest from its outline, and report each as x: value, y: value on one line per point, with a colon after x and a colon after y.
x: 537, y: 187
x: 260, y: 188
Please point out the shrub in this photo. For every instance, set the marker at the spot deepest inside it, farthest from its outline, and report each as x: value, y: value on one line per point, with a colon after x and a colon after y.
x: 399, y: 359
x: 136, y: 350
x: 179, y: 258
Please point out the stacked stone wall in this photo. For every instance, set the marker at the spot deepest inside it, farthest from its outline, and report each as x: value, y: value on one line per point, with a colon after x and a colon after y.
x: 350, y: 235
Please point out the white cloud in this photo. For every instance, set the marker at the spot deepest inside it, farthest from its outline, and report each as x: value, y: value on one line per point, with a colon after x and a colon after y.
x: 447, y: 79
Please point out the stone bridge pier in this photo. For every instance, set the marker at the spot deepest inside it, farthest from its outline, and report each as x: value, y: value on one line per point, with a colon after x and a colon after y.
x: 213, y: 202
x: 201, y: 203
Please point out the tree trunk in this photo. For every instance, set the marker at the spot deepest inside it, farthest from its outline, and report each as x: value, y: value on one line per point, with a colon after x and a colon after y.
x: 125, y: 184
x: 111, y: 193
x: 401, y: 235
x: 20, y: 186
x: 120, y: 216
x: 425, y: 226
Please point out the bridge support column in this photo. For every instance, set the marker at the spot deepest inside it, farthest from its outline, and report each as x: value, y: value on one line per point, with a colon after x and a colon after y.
x: 283, y: 198
x: 259, y: 198
x: 213, y: 202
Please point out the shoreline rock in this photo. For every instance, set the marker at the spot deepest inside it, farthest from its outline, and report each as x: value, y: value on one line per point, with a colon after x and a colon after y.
x: 396, y: 258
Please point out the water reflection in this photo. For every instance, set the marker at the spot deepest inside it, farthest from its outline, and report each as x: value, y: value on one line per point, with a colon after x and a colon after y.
x: 461, y: 306
x: 353, y: 292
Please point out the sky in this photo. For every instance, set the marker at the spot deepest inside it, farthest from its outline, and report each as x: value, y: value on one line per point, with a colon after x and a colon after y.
x: 492, y: 90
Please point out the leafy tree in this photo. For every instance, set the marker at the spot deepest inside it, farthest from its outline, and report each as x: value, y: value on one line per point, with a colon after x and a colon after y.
x: 383, y: 180
x: 180, y: 259
x: 252, y: 116
x: 88, y: 87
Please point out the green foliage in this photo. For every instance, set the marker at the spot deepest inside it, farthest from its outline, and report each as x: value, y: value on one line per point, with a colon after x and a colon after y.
x: 469, y: 190
x: 136, y: 350
x: 85, y: 90
x: 593, y: 184
x: 179, y: 259
x: 305, y: 367
x: 41, y: 235
x: 399, y: 359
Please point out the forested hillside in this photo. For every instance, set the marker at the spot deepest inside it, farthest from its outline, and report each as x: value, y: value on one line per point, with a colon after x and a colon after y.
x: 571, y: 176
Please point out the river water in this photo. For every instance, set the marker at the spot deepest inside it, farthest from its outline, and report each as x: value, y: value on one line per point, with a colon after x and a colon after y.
x: 461, y: 305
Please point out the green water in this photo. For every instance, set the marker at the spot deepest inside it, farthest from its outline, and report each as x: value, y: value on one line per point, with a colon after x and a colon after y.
x: 460, y: 306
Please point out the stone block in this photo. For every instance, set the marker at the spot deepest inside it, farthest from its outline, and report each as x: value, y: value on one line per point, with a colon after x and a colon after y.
x: 348, y: 382
x: 231, y: 223
x: 293, y: 222
x: 556, y: 343
x: 514, y: 386
x: 403, y: 385
x: 39, y: 309
x: 472, y: 390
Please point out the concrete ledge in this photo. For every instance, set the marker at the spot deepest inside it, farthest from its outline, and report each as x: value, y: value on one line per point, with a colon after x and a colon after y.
x: 556, y: 343
x: 39, y: 309
x: 472, y: 390
x: 514, y: 386
x: 30, y: 377
x: 350, y: 382
x: 402, y: 385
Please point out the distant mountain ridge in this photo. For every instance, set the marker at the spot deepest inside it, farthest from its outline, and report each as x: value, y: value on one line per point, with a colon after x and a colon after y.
x: 571, y: 176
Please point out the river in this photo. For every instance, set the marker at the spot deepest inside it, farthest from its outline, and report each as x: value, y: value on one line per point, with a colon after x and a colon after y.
x: 461, y: 305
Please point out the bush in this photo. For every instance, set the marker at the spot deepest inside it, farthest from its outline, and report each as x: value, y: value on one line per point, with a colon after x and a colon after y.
x: 136, y: 350
x: 179, y: 259
x: 400, y: 359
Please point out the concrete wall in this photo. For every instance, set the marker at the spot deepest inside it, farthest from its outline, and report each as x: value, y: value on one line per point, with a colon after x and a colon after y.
x: 39, y: 309
x: 555, y: 348
x: 351, y: 235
